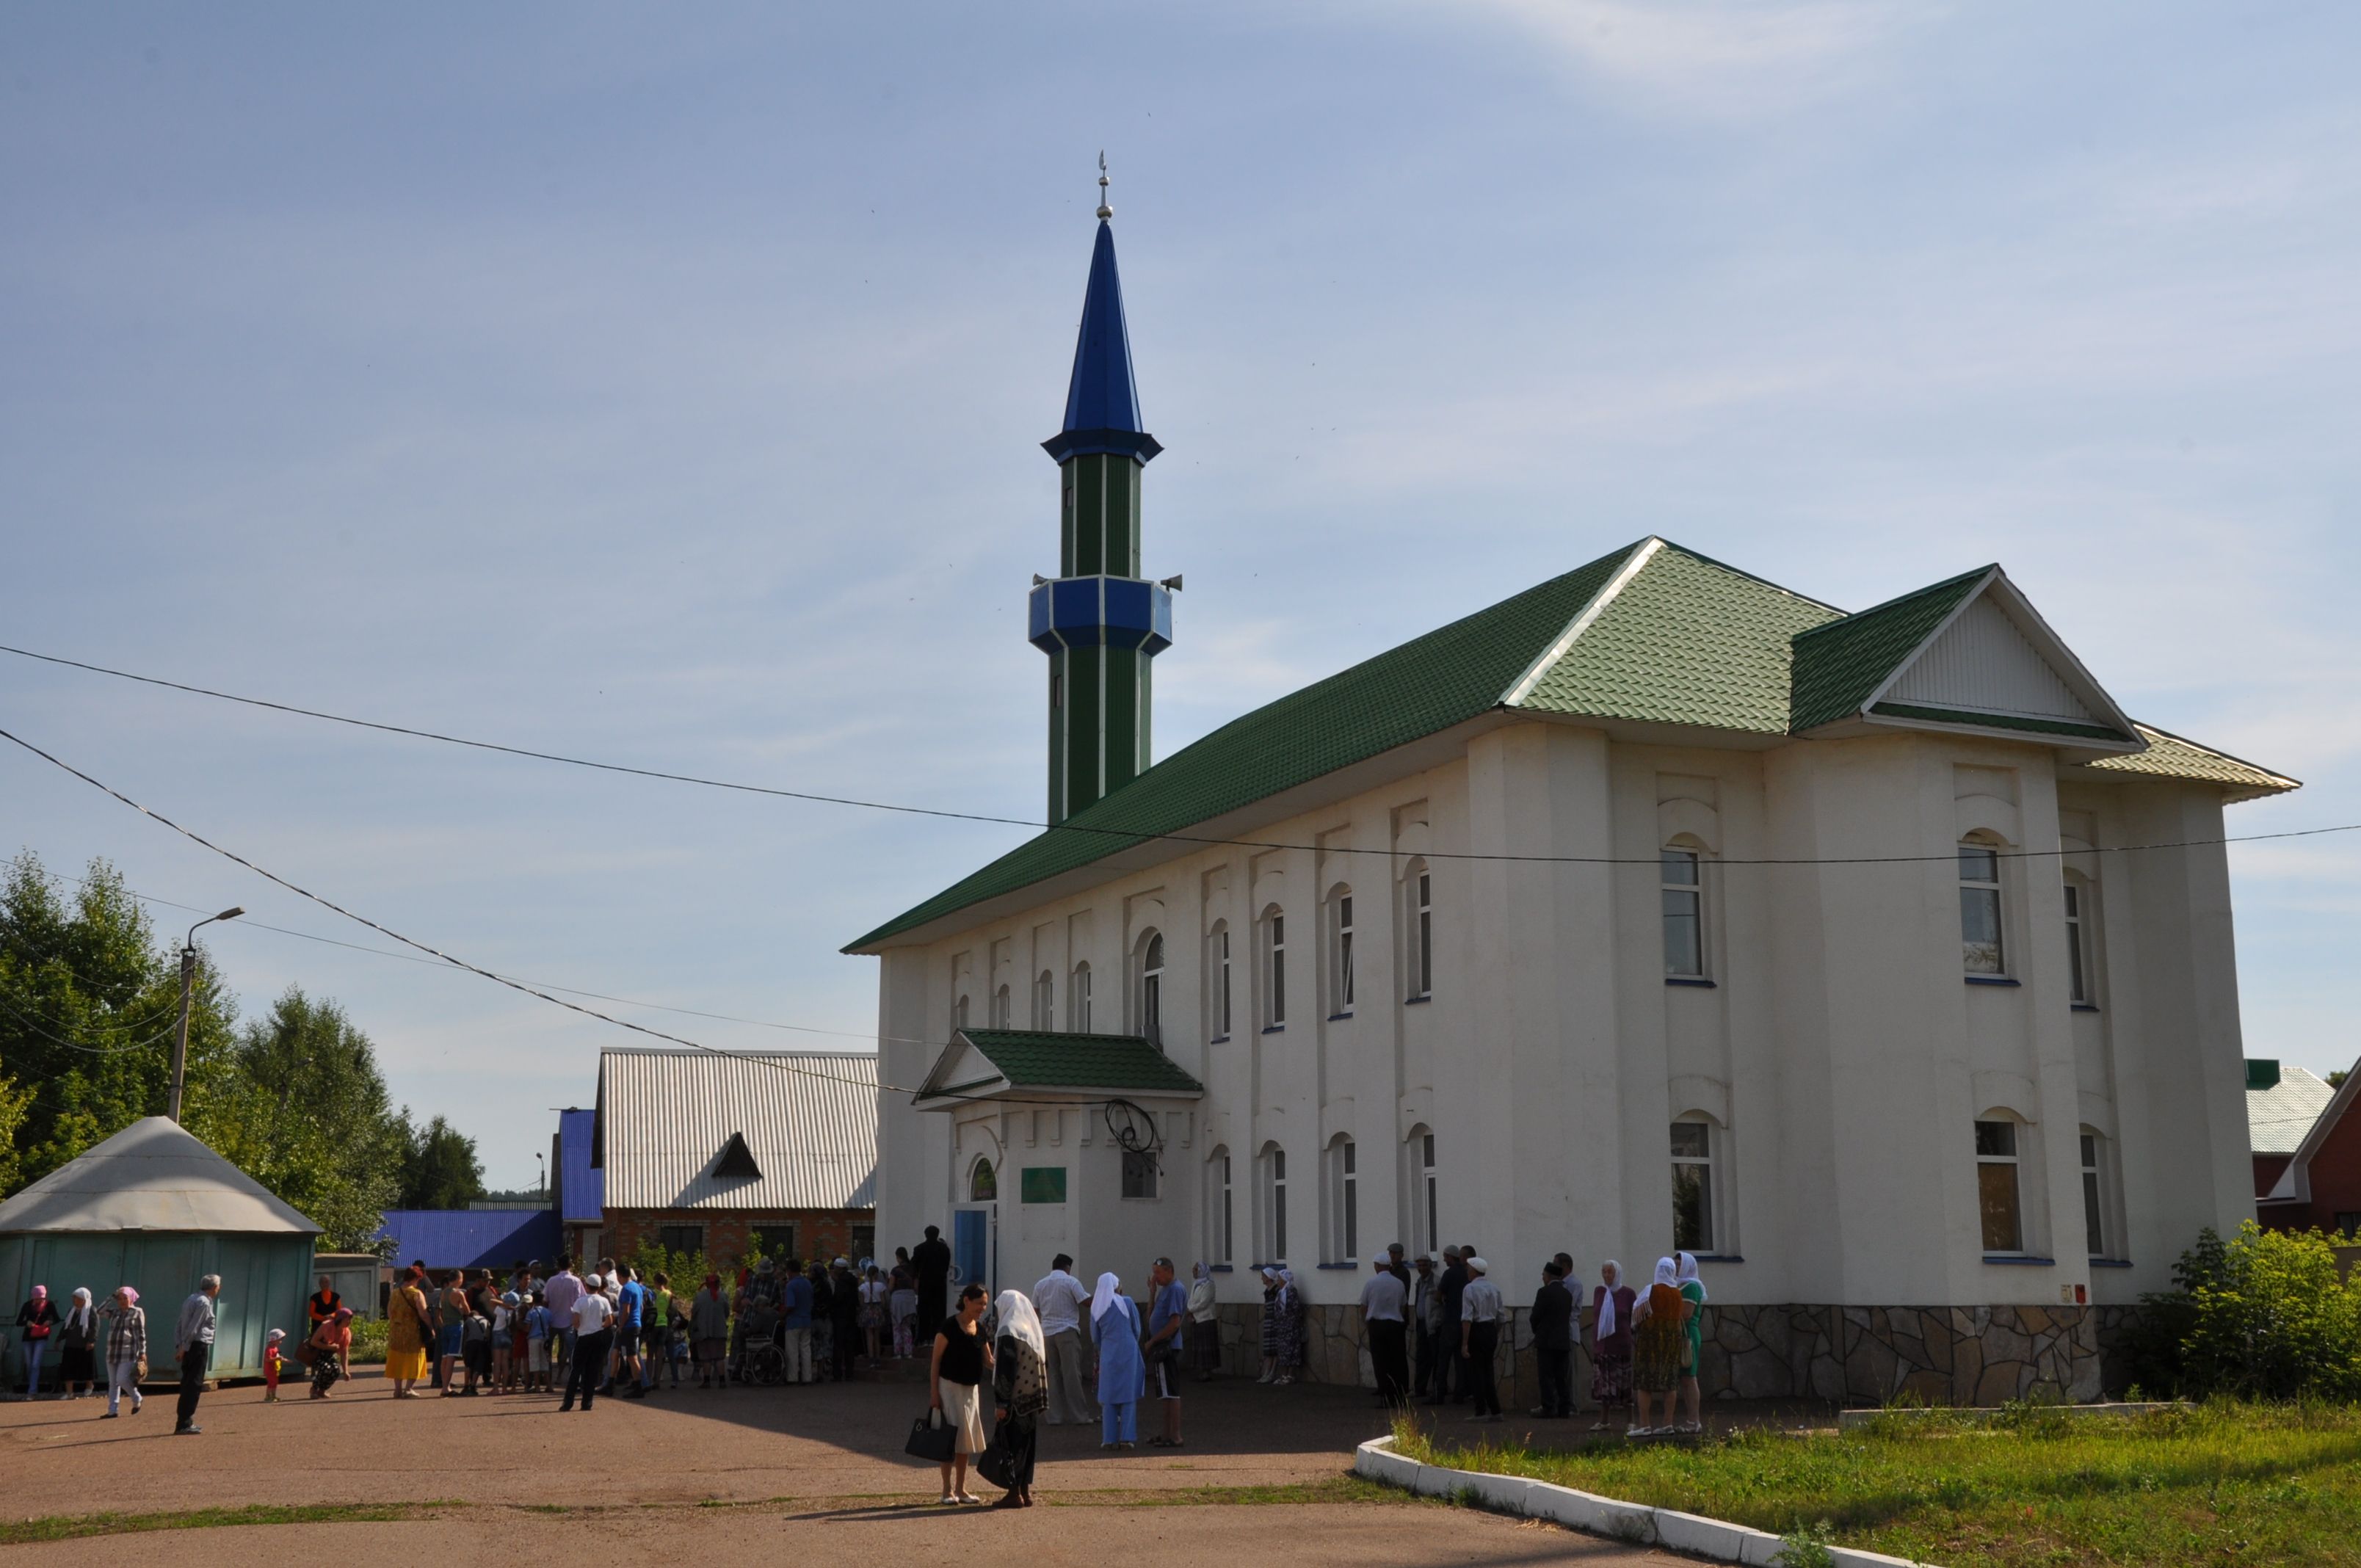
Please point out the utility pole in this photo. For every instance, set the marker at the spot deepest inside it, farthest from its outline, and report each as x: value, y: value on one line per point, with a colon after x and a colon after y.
x: 188, y: 992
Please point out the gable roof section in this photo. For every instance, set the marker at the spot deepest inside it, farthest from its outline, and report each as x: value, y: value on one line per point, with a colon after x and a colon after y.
x: 2295, y: 1181
x: 1449, y: 675
x: 1033, y: 1059
x: 581, y: 1186
x: 2278, y: 1117
x: 155, y: 1175
x: 1840, y: 665
x: 470, y: 1238
x: 808, y: 1119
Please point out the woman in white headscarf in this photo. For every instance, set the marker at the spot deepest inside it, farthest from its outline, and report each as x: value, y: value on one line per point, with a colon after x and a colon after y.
x: 1692, y: 1289
x: 1610, y: 1342
x: 1657, y: 1347
x: 78, y: 1346
x: 1123, y: 1370
x: 1020, y: 1388
x: 1203, y: 1349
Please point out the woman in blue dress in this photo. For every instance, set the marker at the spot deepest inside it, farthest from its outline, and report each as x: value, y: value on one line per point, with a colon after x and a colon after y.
x: 1123, y: 1371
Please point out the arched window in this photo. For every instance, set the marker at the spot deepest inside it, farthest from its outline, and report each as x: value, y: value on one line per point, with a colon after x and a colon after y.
x: 1344, y: 1200
x: 1000, y: 1008
x: 2098, y: 1192
x: 1682, y: 873
x: 1274, y: 969
x: 983, y: 1183
x: 1999, y: 1194
x: 1217, y: 979
x: 1340, y: 948
x: 1150, y: 993
x: 1424, y: 1205
x: 1418, y: 927
x: 1274, y: 1200
x: 1078, y: 999
x: 1045, y: 991
x: 958, y: 1011
x: 1694, y: 1219
x: 1981, y: 948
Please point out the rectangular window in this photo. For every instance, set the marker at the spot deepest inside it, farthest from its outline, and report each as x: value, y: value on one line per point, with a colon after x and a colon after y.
x: 1684, y: 915
x: 1228, y: 1248
x: 2095, y: 1225
x: 1980, y: 944
x: 1041, y: 1184
x: 681, y: 1238
x: 775, y: 1241
x: 2076, y: 970
x: 1349, y: 1204
x: 1278, y: 969
x: 1044, y: 996
x: 1221, y: 979
x: 1426, y: 1180
x: 865, y: 1241
x: 1693, y: 1186
x: 1138, y: 1174
x: 1345, y: 954
x: 1996, y: 1187
x: 1278, y: 1205
x: 1422, y: 966
x: 1080, y: 1009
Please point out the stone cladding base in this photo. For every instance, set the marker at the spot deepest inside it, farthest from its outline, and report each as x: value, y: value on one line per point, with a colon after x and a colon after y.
x: 1843, y: 1355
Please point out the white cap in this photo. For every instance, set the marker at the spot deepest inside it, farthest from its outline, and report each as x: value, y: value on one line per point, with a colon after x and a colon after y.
x: 1478, y: 1263
x: 593, y: 1281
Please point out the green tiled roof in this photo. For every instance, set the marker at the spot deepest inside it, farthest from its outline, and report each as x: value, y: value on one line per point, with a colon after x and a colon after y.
x: 1686, y: 640
x: 1429, y: 683
x: 1681, y: 638
x: 2175, y: 757
x: 1032, y: 1058
x: 1838, y: 665
x: 2000, y: 721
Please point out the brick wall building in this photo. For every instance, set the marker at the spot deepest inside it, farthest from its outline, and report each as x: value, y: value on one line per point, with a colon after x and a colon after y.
x: 2321, y: 1187
x: 703, y: 1152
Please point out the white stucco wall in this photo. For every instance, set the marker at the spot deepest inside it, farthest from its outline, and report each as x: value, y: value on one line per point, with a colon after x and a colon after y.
x: 1838, y: 1051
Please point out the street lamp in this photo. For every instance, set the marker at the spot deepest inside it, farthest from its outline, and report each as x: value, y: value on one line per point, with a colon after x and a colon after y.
x: 187, y: 990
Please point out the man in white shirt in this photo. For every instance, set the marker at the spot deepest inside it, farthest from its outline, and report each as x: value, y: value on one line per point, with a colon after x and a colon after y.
x: 1480, y: 1317
x: 565, y: 1289
x: 594, y: 1316
x: 1383, y: 1318
x: 1063, y: 1302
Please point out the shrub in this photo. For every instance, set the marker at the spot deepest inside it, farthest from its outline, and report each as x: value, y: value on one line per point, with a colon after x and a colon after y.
x: 368, y: 1342
x: 2273, y: 1320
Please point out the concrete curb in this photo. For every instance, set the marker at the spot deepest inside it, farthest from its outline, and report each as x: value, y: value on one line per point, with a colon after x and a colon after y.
x: 1635, y: 1522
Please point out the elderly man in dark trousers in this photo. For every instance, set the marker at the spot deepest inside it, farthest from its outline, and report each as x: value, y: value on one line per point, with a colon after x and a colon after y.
x: 1384, y: 1313
x: 192, y: 1342
x: 1553, y: 1328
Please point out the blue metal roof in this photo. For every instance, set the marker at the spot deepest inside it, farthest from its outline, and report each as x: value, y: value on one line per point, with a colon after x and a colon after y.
x: 471, y: 1238
x: 581, y: 1186
x: 1101, y: 402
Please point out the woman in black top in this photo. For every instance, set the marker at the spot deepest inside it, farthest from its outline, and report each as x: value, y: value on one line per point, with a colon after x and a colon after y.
x: 961, y: 1361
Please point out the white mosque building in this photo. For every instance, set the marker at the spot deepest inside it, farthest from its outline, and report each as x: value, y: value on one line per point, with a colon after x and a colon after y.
x: 1878, y: 958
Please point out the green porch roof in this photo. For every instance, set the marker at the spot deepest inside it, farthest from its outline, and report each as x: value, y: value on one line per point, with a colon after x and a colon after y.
x: 1033, y: 1059
x: 1648, y: 633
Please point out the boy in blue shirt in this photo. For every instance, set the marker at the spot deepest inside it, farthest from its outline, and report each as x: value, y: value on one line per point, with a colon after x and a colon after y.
x: 536, y: 1331
x: 630, y: 1308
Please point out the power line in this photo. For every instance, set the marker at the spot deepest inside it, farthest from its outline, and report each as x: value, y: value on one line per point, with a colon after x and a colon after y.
x: 35, y: 1025
x: 1129, y: 835
x: 384, y: 931
x: 547, y: 986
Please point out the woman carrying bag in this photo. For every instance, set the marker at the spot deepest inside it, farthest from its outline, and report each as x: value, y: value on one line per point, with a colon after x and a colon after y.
x: 1020, y: 1387
x: 961, y: 1357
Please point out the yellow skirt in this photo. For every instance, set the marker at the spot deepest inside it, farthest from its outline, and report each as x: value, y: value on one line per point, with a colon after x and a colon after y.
x: 405, y: 1365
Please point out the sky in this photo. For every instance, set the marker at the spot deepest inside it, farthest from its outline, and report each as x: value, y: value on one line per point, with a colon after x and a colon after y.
x: 664, y: 385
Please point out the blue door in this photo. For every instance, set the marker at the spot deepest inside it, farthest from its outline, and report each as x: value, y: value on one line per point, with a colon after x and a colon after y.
x: 968, y: 1232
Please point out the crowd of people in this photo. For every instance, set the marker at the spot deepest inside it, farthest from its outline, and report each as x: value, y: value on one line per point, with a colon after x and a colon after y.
x: 1644, y: 1346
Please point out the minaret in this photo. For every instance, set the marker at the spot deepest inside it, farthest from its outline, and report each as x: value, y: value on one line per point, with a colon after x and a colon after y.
x: 1100, y: 621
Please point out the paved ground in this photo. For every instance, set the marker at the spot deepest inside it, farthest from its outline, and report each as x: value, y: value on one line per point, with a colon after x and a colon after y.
x: 825, y: 1461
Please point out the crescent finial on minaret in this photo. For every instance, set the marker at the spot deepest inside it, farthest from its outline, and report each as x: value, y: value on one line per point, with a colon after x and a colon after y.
x: 1106, y: 211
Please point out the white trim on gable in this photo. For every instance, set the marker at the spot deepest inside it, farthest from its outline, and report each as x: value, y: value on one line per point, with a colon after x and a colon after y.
x: 1995, y: 654
x: 1581, y: 624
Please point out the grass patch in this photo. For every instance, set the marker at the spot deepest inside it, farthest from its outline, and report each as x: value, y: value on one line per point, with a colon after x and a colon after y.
x: 2251, y: 1483
x: 74, y: 1527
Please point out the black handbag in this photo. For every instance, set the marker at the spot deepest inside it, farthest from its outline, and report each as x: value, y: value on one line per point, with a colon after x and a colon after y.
x: 997, y: 1464
x: 933, y: 1438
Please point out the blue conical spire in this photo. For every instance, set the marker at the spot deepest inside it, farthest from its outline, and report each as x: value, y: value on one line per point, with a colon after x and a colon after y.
x: 1102, y: 403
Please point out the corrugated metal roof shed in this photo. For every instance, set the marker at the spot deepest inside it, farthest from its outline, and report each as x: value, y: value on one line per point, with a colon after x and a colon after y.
x: 153, y: 1176
x: 810, y: 1119
x: 581, y: 1187
x: 472, y: 1238
x: 2278, y: 1117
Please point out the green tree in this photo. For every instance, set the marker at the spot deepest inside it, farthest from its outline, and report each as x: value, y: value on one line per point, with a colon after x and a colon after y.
x: 2271, y: 1319
x: 439, y: 1167
x: 2336, y: 1079
x: 88, y: 1005
x: 312, y: 1121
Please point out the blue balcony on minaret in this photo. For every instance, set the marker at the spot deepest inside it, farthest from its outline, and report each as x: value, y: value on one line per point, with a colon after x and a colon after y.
x: 1086, y: 612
